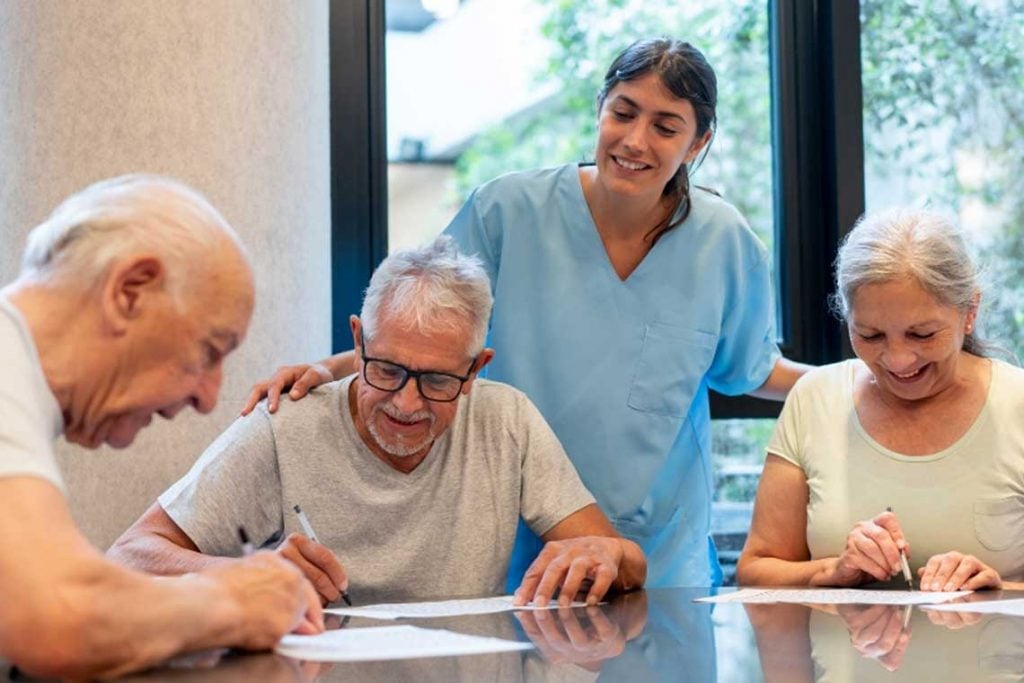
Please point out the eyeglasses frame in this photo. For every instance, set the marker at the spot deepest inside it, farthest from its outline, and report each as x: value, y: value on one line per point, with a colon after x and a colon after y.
x: 415, y: 374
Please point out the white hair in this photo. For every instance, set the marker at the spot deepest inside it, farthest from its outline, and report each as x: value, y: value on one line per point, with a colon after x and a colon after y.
x: 119, y: 216
x: 897, y: 243
x: 429, y: 287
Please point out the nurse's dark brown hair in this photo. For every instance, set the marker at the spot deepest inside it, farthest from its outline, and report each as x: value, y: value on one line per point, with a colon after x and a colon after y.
x: 683, y: 69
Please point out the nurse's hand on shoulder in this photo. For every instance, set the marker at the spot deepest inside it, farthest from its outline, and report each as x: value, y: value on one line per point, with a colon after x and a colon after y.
x: 298, y: 378
x: 872, y: 553
x: 955, y: 571
x: 585, y: 566
x: 318, y: 563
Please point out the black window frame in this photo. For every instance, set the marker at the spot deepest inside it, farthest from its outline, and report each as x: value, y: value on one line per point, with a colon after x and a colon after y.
x: 818, y: 164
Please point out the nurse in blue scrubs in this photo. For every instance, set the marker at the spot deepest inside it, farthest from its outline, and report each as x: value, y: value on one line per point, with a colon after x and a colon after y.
x: 622, y: 295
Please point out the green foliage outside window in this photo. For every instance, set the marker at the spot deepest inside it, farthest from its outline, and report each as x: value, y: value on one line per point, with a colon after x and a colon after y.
x: 944, y: 105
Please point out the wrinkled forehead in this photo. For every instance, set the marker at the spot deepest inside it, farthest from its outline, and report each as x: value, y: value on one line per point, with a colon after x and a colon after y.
x: 903, y: 298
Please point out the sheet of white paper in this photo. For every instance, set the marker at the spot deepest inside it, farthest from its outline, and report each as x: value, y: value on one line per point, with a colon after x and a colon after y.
x: 442, y: 608
x: 1014, y: 607
x: 835, y: 596
x: 390, y: 642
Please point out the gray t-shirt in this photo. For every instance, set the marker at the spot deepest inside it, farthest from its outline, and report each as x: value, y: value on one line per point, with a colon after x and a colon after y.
x: 443, y: 530
x: 30, y: 418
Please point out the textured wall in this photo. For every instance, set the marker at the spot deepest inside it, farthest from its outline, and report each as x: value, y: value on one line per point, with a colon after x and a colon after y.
x: 231, y: 96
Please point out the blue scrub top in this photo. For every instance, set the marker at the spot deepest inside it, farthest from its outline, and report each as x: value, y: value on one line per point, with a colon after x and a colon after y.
x: 621, y: 369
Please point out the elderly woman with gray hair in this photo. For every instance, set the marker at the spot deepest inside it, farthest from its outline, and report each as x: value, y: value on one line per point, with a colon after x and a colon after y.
x: 914, y: 447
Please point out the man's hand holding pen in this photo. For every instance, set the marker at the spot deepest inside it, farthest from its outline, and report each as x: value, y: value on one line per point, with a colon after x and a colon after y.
x: 322, y: 567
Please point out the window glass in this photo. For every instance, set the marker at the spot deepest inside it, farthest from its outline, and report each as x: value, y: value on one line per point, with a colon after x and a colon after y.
x: 479, y: 88
x: 738, y: 448
x: 944, y: 126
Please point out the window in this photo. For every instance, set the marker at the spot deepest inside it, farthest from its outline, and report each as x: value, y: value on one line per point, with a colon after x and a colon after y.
x: 476, y: 88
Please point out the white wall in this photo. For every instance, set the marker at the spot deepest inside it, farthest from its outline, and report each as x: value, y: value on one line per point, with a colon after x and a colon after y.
x: 230, y: 96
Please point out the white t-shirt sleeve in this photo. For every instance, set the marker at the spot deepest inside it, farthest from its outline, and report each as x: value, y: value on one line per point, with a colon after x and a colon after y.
x: 29, y: 417
x: 787, y: 437
x: 26, y: 447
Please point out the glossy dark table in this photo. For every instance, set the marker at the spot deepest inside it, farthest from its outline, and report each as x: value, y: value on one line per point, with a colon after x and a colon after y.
x: 662, y: 635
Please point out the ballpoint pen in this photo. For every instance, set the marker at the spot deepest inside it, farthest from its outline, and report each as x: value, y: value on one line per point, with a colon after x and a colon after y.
x: 904, y: 565
x: 246, y: 543
x: 308, y: 529
x: 907, y: 611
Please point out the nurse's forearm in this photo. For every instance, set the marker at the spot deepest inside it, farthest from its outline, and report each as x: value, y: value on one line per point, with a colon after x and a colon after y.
x: 782, y: 378
x: 340, y: 364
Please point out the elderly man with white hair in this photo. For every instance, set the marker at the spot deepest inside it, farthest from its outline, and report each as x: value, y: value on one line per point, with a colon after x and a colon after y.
x: 413, y: 471
x: 130, y: 295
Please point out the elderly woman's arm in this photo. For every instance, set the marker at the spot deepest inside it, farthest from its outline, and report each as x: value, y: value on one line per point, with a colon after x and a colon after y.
x: 776, y: 551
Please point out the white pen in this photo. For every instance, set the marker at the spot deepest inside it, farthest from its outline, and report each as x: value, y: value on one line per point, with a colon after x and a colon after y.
x: 308, y: 529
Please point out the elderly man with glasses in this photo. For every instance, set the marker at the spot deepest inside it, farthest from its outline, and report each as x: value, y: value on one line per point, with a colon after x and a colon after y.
x: 413, y: 471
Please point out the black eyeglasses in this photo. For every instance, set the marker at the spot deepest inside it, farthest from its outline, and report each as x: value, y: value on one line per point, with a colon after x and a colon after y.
x: 440, y: 387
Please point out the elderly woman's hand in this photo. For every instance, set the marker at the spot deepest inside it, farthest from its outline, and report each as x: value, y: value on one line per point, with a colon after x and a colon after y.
x: 879, y: 632
x: 872, y: 552
x: 955, y: 571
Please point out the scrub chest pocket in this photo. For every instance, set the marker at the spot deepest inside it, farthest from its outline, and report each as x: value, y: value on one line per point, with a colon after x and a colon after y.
x: 669, y: 369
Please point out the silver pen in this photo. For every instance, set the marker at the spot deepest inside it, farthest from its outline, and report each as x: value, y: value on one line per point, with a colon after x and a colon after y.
x: 904, y: 565
x: 907, y: 611
x: 308, y: 529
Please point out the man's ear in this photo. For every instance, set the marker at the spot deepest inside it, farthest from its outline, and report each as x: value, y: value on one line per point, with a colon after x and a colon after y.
x: 482, y: 359
x: 130, y: 286
x: 357, y: 333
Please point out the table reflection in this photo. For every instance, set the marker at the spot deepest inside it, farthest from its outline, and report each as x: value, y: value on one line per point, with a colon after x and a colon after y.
x: 662, y: 635
x: 886, y: 643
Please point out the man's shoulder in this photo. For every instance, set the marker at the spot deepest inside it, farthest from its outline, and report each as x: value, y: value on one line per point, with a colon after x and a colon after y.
x: 496, y: 403
x: 325, y: 399
x: 14, y: 348
x: 489, y: 391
